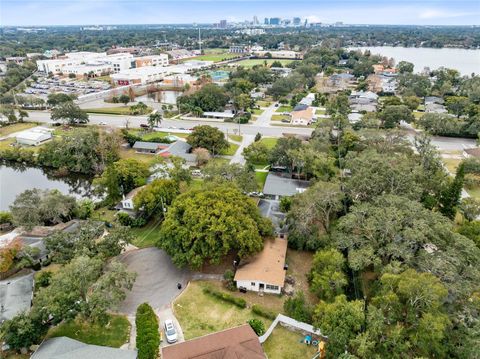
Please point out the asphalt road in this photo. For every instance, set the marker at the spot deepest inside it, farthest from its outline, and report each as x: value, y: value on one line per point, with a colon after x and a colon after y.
x: 135, y: 121
x: 156, y: 281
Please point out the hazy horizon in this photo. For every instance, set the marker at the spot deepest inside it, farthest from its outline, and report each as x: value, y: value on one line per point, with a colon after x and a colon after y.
x: 163, y: 12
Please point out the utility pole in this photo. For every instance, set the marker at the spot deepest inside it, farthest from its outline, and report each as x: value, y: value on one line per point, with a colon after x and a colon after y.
x: 199, y: 41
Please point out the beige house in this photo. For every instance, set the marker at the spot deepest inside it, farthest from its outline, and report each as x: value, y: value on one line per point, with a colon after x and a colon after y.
x: 265, y: 272
x: 302, y: 115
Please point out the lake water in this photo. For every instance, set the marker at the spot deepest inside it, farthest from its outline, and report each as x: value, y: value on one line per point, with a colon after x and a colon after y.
x: 14, y: 179
x: 463, y: 60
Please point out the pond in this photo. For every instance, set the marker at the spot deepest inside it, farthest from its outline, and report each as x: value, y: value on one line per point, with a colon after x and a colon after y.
x: 463, y: 60
x: 168, y: 97
x: 15, y: 178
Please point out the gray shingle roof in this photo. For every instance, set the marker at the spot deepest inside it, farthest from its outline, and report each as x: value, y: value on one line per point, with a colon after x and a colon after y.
x: 67, y: 348
x: 147, y: 145
x: 277, y: 185
x: 15, y: 295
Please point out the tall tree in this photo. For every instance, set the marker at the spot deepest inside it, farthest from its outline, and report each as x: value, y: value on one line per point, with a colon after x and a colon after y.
x: 208, y: 137
x: 327, y: 278
x: 69, y: 113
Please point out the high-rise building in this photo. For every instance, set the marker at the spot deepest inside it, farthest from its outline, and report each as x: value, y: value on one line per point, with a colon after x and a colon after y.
x: 255, y: 20
x: 275, y: 21
x: 266, y: 22
x: 223, y: 24
x: 297, y: 21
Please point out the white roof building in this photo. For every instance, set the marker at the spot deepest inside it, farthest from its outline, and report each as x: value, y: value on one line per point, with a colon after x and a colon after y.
x: 141, y: 75
x: 34, y: 137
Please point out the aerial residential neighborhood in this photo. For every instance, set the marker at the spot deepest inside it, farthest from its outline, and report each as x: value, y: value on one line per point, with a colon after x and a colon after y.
x: 239, y: 180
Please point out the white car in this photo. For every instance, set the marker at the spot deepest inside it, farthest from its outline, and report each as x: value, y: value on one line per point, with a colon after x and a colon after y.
x: 102, y: 123
x: 170, y: 331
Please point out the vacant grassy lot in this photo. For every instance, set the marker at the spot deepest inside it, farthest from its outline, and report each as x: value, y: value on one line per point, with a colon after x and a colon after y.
x: 200, y: 314
x: 270, y: 142
x: 299, y: 265
x: 285, y: 344
x: 17, y: 127
x: 257, y: 111
x: 217, y: 57
x: 253, y: 62
x: 147, y: 235
x: 284, y: 108
x: 114, y: 334
x: 263, y: 103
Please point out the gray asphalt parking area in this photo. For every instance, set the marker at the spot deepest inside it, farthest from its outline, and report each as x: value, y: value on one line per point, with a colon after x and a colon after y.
x: 156, y: 281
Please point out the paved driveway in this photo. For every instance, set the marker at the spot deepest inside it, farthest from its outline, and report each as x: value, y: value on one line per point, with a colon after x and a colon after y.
x: 156, y: 282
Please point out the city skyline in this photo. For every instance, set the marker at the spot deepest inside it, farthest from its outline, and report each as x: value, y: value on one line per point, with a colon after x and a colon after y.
x: 105, y: 12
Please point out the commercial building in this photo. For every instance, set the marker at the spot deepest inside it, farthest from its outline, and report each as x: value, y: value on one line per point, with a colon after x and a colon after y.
x: 275, y: 21
x: 152, y: 60
x: 265, y: 272
x: 141, y: 75
x: 34, y: 137
x: 16, y: 59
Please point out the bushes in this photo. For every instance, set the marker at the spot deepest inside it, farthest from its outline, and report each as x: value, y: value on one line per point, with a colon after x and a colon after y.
x: 5, y: 217
x: 126, y: 220
x: 257, y: 326
x: 148, y: 337
x: 229, y: 282
x: 296, y: 308
x: 262, y: 312
x: 239, y: 302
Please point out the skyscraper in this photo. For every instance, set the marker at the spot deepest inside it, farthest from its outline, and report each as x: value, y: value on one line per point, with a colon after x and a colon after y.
x: 296, y: 21
x: 266, y: 22
x: 223, y: 24
x: 255, y: 20
x: 275, y: 21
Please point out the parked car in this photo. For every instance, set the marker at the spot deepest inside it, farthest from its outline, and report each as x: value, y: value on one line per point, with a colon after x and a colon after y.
x: 170, y: 332
x: 102, y: 123
x: 142, y: 125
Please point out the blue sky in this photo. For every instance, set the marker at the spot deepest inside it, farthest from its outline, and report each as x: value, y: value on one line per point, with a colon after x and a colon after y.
x: 78, y: 12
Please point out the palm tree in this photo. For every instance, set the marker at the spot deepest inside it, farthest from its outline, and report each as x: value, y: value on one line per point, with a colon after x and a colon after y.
x: 154, y: 118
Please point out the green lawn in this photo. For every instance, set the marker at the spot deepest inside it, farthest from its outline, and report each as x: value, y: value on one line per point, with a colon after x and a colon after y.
x: 257, y: 111
x: 16, y: 127
x: 418, y: 114
x: 474, y: 192
x: 200, y: 314
x: 261, y: 177
x: 147, y: 235
x: 131, y: 153
x: 320, y: 112
x: 121, y: 110
x: 263, y: 103
x: 451, y: 164
x: 114, y: 334
x: 284, y: 108
x: 217, y: 57
x: 230, y: 151
x: 148, y: 135
x: 286, y: 344
x: 280, y: 117
x: 104, y: 214
x: 237, y: 138
x: 253, y: 62
x: 270, y: 142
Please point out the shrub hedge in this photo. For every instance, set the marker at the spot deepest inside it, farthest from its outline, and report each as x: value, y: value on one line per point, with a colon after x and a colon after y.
x: 259, y: 310
x: 239, y: 302
x: 148, y: 337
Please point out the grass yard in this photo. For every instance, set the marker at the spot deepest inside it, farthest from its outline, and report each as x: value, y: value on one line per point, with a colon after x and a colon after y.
x: 236, y: 138
x: 263, y: 103
x: 120, y: 110
x: 104, y: 214
x: 114, y: 334
x: 474, y: 192
x: 286, y: 344
x: 230, y: 151
x: 284, y: 108
x: 148, y: 135
x: 200, y: 314
x: 16, y: 127
x: 320, y: 112
x: 254, y: 62
x: 257, y: 111
x: 147, y: 235
x: 280, y: 117
x: 299, y: 265
x: 270, y: 142
x: 131, y: 153
x: 5, y: 144
x: 418, y: 114
x: 261, y: 177
x: 451, y: 164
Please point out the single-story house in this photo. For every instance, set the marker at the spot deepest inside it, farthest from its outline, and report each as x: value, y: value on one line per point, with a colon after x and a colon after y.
x: 354, y: 117
x: 149, y: 147
x: 181, y: 149
x: 265, y: 272
x: 471, y: 152
x: 127, y: 202
x: 433, y: 107
x: 15, y: 296
x: 235, y: 343
x: 302, y: 115
x: 277, y: 185
x: 34, y: 136
x: 364, y: 107
x: 308, y: 100
x: 257, y: 95
x: 434, y: 99
x: 67, y: 348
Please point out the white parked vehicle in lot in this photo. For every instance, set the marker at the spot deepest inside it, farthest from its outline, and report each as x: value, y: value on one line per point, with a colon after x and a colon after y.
x: 170, y: 331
